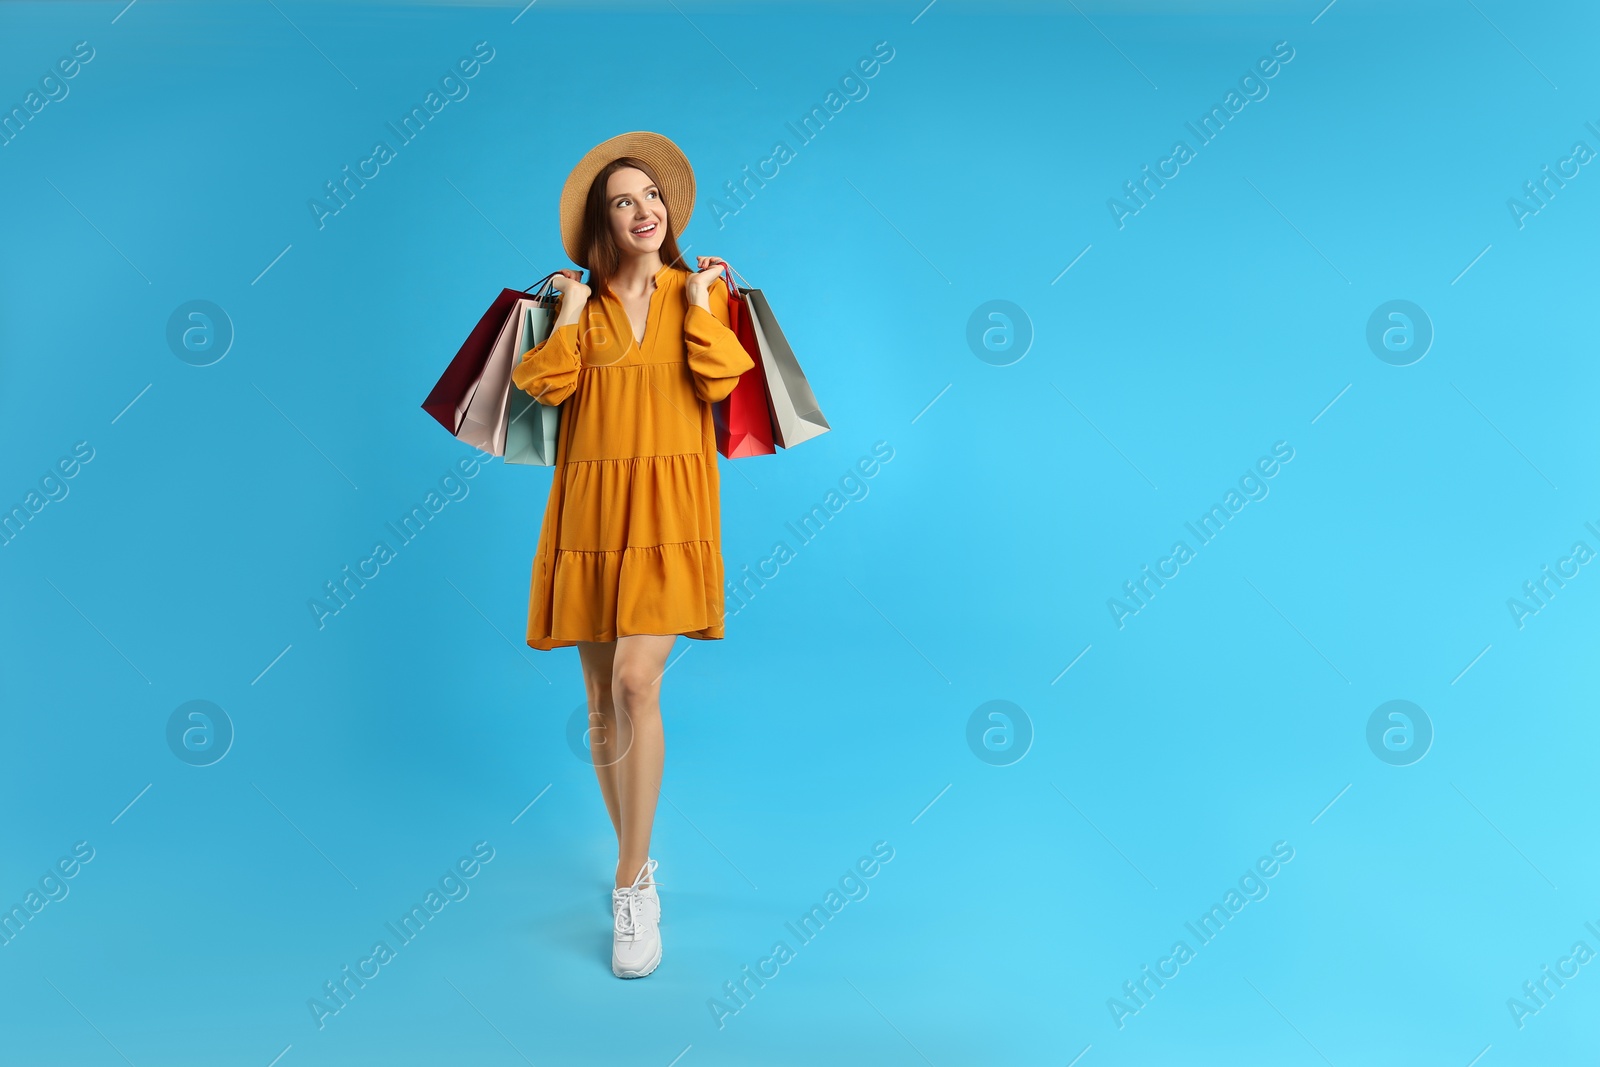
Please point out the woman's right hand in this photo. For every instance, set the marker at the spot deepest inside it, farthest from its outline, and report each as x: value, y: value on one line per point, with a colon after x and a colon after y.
x: 570, y: 283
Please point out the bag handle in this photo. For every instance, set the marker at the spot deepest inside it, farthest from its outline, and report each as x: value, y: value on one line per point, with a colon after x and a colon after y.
x: 729, y: 274
x: 547, y: 280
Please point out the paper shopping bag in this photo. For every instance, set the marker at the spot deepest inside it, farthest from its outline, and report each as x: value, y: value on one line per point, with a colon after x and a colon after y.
x: 532, y: 428
x: 743, y: 419
x: 796, y: 416
x: 483, y: 425
x: 452, y: 396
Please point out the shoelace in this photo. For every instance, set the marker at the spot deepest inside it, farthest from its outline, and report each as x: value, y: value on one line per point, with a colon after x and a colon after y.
x: 646, y: 878
x: 628, y: 902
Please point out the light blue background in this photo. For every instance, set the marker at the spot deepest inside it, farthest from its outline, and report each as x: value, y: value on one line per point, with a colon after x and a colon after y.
x: 1229, y: 314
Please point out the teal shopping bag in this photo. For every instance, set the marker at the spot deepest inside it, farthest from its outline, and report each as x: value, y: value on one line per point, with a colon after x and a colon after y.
x: 532, y: 427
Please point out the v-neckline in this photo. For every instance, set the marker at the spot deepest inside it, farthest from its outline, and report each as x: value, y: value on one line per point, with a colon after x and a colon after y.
x: 649, y: 311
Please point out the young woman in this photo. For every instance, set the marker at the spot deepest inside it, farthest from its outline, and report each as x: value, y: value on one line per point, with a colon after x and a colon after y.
x: 630, y: 554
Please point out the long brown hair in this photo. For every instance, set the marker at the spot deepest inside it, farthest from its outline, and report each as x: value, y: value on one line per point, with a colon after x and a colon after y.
x: 605, y: 258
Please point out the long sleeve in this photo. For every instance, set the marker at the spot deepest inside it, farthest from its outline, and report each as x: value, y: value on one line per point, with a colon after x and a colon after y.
x: 549, y: 370
x: 716, y: 357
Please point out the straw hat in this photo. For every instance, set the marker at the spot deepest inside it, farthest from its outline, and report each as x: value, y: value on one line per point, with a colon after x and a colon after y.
x: 673, y: 174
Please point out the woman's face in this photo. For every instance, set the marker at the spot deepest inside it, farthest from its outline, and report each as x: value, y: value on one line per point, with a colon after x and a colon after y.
x: 638, y: 214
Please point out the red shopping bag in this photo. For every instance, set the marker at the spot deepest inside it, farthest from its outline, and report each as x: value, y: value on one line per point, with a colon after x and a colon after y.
x: 744, y: 420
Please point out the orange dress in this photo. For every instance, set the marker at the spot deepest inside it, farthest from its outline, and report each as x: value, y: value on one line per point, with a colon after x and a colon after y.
x: 632, y: 534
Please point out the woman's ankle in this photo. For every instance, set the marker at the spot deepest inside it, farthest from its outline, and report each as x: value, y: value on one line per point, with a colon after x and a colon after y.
x: 627, y: 876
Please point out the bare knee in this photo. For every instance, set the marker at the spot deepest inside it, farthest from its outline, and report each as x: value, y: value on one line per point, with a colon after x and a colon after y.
x: 636, y: 690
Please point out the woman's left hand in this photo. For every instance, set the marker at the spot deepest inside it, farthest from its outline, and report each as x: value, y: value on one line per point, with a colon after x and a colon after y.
x: 699, y: 284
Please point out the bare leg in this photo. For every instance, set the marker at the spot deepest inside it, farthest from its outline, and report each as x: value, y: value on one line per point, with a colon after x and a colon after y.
x: 636, y: 692
x: 605, y: 746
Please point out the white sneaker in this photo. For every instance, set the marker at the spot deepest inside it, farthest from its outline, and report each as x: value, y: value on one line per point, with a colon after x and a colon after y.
x: 636, y: 931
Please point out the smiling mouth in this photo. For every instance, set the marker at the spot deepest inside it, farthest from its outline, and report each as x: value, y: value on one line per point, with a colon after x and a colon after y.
x: 644, y: 231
